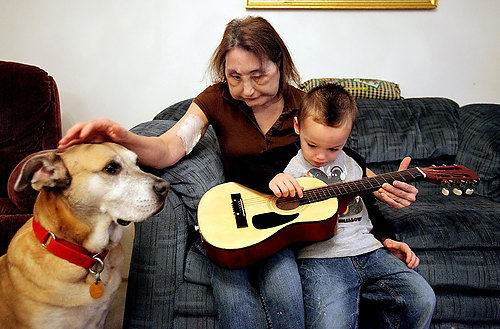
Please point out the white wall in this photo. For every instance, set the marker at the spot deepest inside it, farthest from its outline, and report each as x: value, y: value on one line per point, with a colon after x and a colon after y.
x: 129, y: 59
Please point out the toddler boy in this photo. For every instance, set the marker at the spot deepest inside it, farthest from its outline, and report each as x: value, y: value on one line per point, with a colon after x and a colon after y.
x: 353, y: 265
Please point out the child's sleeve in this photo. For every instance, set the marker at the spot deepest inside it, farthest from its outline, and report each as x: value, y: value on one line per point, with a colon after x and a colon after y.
x: 293, y: 168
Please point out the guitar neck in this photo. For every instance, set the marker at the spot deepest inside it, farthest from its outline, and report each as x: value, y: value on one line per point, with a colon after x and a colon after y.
x: 357, y: 187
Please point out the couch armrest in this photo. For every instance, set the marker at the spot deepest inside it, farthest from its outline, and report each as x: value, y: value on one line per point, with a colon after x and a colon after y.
x: 30, y: 112
x: 174, y: 111
x: 479, y: 147
x: 161, y: 243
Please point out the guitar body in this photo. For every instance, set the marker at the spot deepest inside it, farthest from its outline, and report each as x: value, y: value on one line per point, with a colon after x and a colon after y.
x: 261, y: 228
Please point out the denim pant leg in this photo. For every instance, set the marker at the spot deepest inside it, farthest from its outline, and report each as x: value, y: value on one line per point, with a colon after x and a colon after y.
x: 238, y: 303
x: 331, y: 289
x: 281, y: 289
x: 402, y: 298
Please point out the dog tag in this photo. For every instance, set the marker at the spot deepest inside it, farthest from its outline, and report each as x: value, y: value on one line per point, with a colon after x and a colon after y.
x: 96, y: 289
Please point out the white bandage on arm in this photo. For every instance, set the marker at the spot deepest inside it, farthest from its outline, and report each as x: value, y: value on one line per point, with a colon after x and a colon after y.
x: 190, y: 131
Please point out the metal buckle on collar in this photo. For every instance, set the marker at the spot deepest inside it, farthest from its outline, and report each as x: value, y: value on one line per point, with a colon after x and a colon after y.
x: 51, y: 235
x: 99, y: 265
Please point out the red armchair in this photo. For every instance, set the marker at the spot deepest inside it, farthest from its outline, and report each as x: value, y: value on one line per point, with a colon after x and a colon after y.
x: 30, y: 122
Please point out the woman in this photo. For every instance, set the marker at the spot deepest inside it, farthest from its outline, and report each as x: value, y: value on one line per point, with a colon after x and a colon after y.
x: 251, y: 107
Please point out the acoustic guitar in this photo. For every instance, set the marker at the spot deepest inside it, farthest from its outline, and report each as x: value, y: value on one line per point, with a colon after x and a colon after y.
x: 240, y: 226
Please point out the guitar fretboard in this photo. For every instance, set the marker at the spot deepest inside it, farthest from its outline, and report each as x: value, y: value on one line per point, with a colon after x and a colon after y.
x: 360, y: 186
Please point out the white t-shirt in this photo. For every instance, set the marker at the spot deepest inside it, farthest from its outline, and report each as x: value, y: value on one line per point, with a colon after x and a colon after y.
x: 353, y: 235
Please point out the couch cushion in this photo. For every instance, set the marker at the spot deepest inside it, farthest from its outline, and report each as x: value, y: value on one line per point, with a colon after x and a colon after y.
x: 198, y: 267
x: 463, y: 325
x: 440, y: 222
x: 194, y: 299
x: 461, y: 269
x: 422, y: 128
x: 467, y: 307
x: 198, y: 322
x: 479, y: 147
x: 175, y: 111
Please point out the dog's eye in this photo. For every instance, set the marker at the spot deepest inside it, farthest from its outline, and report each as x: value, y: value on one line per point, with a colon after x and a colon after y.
x: 112, y: 168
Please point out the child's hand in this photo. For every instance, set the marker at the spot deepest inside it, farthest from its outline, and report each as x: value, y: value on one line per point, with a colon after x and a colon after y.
x: 284, y: 185
x: 402, y: 251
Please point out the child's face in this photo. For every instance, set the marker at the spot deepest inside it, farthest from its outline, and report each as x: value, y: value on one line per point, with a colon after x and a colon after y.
x: 320, y: 143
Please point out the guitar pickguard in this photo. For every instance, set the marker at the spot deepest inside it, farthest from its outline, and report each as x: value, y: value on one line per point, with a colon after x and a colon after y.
x: 271, y: 219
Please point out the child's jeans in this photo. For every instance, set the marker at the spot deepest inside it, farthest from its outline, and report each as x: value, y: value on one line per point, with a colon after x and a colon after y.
x: 394, y: 295
x: 270, y: 289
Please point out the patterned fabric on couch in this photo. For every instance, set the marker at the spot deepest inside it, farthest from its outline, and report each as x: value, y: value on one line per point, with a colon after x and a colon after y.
x: 457, y: 238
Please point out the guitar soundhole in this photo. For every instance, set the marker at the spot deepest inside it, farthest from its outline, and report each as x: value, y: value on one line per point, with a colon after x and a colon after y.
x: 287, y: 203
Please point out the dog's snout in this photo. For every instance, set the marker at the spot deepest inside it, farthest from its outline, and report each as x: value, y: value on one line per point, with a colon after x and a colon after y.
x: 161, y: 188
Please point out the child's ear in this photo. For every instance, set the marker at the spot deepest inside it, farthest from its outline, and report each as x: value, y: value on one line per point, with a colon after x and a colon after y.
x: 296, y: 125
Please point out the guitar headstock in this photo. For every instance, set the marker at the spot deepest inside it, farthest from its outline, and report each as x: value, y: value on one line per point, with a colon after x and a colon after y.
x: 449, y: 176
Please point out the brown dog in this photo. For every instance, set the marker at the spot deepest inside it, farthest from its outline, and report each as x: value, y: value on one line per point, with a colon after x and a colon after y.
x: 52, y: 274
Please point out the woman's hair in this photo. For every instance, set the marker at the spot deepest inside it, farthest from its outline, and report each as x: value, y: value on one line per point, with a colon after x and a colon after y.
x: 255, y: 35
x: 329, y: 104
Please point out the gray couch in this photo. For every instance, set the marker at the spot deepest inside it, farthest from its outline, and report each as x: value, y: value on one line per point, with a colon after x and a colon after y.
x: 456, y: 237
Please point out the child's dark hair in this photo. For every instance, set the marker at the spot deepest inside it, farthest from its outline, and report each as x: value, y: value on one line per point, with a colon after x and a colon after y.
x: 329, y: 104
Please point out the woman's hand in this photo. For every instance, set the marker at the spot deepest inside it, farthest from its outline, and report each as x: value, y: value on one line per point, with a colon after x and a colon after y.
x: 95, y: 131
x: 402, y: 251
x: 284, y: 185
x: 399, y: 194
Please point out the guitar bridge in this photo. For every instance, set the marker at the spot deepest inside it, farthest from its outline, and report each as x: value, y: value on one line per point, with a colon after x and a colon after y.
x: 239, y: 210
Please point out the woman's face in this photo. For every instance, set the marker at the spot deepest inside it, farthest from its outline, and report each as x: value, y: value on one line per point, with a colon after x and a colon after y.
x: 254, y: 81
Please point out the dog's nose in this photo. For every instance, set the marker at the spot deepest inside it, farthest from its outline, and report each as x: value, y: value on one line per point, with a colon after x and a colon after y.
x: 161, y: 188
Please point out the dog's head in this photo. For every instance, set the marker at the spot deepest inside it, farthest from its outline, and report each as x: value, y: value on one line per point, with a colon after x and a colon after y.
x: 96, y: 181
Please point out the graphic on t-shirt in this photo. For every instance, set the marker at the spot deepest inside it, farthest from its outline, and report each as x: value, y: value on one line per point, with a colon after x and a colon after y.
x: 337, y: 174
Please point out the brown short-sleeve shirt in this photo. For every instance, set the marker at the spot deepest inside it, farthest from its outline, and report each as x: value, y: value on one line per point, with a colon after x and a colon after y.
x: 240, y: 136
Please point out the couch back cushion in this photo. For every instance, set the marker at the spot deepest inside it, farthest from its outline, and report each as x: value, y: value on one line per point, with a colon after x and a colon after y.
x: 174, y: 111
x: 389, y: 130
x: 479, y: 147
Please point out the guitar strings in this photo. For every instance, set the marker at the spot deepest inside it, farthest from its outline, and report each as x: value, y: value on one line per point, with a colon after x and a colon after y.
x: 324, y: 192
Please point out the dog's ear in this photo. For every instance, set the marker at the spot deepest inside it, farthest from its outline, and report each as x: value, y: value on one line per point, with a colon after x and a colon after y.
x: 43, y: 170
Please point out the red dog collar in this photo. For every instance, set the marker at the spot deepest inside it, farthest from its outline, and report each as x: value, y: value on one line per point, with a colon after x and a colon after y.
x: 65, y: 249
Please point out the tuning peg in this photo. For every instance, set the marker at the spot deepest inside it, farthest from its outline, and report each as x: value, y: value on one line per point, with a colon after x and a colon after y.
x: 457, y: 191
x: 445, y: 191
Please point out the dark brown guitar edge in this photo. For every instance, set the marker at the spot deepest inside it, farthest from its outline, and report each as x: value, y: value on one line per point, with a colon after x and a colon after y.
x: 297, y: 232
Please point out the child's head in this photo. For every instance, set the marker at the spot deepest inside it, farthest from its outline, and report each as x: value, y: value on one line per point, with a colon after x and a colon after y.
x: 324, y: 123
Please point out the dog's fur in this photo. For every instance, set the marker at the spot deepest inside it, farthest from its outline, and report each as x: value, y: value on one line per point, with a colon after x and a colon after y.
x: 85, y: 194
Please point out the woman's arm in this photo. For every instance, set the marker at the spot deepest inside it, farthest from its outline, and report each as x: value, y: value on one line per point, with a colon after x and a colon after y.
x: 156, y: 152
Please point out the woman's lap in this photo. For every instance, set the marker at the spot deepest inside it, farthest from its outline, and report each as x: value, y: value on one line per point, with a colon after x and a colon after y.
x: 241, y: 294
